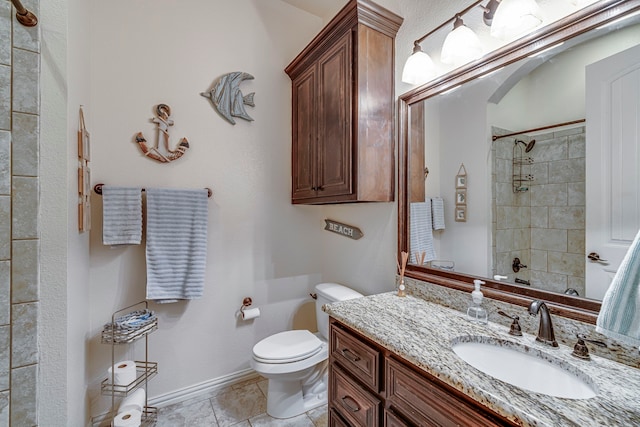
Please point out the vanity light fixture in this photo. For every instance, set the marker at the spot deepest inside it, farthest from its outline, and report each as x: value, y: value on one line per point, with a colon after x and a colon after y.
x: 515, y: 17
x: 461, y: 45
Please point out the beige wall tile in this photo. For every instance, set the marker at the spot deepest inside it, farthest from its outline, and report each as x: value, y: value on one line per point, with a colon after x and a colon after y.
x: 549, y: 239
x: 5, y: 292
x: 552, y: 281
x: 25, y: 208
x: 5, y: 356
x: 577, y: 146
x: 5, y: 96
x: 549, y: 195
x: 552, y: 149
x: 564, y: 263
x: 5, y: 162
x: 5, y: 33
x: 24, y: 396
x: 28, y: 37
x: 25, y: 271
x: 568, y: 218
x: 26, y: 84
x: 539, y: 217
x: 576, y: 242
x: 24, y: 335
x: 5, y: 227
x: 538, y: 260
x: 576, y: 193
x: 24, y: 149
x: 571, y: 170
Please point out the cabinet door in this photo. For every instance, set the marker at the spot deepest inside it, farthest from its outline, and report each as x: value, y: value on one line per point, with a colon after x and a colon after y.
x: 335, y: 89
x: 304, y: 135
x: 351, y: 400
x: 426, y: 403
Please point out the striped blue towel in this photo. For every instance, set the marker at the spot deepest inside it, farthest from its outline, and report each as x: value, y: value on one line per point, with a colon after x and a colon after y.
x: 619, y: 316
x: 421, y: 231
x: 437, y: 213
x: 121, y: 215
x: 176, y: 243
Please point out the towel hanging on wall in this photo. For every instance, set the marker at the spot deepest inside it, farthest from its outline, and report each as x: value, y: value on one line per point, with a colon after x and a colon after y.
x: 619, y: 315
x: 122, y: 216
x: 421, y: 231
x: 176, y: 243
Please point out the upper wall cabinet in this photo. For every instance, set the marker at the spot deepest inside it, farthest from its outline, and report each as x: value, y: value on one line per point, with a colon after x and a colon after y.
x: 343, y: 109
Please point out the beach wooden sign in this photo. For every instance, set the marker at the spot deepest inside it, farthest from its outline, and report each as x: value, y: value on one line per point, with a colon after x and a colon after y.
x: 343, y: 229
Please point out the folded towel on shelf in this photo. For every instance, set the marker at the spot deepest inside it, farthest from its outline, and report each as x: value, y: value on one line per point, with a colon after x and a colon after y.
x: 176, y: 243
x: 420, y: 231
x: 121, y: 215
x: 437, y: 213
x: 619, y: 316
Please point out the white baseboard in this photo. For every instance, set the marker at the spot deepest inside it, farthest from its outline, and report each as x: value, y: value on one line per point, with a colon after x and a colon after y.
x: 205, y: 387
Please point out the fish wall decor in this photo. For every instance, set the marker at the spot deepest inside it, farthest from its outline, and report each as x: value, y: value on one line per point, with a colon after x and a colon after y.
x: 227, y: 97
x: 161, y: 151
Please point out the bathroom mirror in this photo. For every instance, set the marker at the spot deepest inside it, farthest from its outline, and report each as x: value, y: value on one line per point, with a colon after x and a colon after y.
x: 521, y: 221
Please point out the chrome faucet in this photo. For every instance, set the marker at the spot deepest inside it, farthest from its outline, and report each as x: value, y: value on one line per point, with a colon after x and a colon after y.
x: 545, y: 331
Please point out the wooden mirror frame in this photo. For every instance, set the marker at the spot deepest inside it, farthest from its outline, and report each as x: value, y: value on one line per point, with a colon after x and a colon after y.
x: 591, y: 17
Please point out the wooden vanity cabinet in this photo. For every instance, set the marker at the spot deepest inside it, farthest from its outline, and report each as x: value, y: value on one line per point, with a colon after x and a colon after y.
x: 369, y: 387
x: 343, y: 109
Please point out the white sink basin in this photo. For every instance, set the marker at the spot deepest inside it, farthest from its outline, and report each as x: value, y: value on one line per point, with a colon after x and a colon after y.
x: 524, y: 367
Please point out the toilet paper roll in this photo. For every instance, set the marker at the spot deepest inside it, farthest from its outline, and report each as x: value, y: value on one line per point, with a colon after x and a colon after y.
x: 134, y: 401
x: 124, y: 372
x: 250, y: 313
x: 128, y: 419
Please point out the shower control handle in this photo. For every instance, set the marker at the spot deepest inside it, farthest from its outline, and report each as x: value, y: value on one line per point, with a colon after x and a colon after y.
x: 516, y: 266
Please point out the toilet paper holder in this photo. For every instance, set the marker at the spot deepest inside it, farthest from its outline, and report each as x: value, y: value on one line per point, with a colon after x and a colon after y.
x: 245, y: 303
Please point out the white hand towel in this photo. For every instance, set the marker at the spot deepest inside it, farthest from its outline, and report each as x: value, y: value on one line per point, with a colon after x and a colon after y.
x: 619, y: 316
x: 437, y: 210
x: 121, y: 215
x: 176, y: 243
x: 420, y: 231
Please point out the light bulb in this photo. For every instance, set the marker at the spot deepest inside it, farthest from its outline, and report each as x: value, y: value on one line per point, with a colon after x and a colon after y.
x: 461, y: 45
x: 419, y: 68
x: 515, y: 17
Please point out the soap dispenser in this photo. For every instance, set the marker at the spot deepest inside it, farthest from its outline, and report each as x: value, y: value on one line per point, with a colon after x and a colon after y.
x: 476, y: 313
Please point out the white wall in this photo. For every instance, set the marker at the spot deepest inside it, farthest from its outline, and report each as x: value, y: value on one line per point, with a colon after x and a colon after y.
x: 260, y: 245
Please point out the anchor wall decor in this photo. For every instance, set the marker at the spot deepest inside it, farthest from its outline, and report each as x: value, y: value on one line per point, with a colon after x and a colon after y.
x: 227, y: 97
x: 161, y: 151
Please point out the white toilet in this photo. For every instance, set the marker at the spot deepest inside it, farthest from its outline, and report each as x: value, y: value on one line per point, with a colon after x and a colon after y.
x: 295, y: 362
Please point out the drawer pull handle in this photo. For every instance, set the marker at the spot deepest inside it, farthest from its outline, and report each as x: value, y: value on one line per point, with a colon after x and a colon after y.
x: 351, y: 407
x: 350, y: 355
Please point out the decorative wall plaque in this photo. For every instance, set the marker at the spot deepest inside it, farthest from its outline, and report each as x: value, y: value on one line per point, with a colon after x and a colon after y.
x: 461, y: 195
x: 84, y: 176
x: 343, y: 229
x: 161, y: 151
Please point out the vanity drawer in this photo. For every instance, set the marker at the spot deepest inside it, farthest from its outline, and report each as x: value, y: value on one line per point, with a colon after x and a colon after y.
x: 354, y: 403
x: 427, y: 402
x: 356, y: 356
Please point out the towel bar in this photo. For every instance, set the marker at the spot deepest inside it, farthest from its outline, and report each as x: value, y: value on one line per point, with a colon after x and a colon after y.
x: 98, y: 189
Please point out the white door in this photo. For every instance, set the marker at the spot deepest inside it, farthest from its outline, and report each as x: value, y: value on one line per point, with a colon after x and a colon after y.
x: 613, y: 157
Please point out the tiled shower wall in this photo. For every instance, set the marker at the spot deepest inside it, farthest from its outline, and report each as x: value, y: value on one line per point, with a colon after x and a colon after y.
x: 19, y: 233
x: 545, y: 225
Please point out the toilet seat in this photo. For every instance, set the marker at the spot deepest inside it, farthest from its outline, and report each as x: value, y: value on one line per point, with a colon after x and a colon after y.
x: 287, y: 347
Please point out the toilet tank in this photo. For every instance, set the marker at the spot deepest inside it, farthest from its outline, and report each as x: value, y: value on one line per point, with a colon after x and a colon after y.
x: 328, y: 293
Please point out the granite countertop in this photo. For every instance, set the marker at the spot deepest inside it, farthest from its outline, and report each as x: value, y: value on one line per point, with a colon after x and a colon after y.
x: 421, y: 332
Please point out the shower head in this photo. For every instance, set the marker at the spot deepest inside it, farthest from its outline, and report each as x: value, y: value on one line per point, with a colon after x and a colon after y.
x: 527, y: 146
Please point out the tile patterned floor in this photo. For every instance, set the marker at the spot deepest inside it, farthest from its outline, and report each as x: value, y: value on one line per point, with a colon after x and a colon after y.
x: 241, y: 405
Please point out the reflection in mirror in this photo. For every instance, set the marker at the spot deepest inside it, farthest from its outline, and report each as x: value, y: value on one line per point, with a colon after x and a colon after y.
x: 534, y: 202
